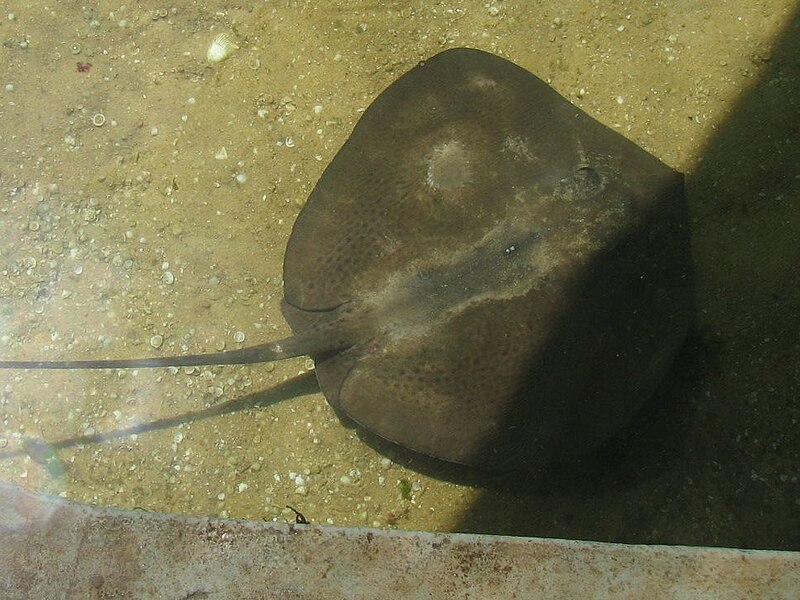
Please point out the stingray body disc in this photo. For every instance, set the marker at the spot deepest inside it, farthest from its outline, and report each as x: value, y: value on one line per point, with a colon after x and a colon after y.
x: 514, y: 274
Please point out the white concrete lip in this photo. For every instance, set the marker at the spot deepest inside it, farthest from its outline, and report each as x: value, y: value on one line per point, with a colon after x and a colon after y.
x: 55, y: 548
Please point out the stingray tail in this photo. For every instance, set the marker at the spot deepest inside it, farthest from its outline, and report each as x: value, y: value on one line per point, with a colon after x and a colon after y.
x: 297, y: 345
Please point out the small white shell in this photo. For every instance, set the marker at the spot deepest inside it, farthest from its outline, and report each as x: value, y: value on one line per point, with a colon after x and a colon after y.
x: 221, y: 48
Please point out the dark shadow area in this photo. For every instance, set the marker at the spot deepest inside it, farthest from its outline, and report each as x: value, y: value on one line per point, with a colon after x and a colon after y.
x: 714, y: 458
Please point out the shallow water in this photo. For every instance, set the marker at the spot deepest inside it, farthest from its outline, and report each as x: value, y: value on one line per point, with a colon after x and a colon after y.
x: 148, y: 197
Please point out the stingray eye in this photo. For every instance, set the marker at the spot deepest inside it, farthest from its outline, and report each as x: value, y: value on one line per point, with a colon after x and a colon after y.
x: 511, y: 250
x: 583, y: 183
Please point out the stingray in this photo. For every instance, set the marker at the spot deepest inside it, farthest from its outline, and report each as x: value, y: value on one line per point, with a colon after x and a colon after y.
x: 484, y: 274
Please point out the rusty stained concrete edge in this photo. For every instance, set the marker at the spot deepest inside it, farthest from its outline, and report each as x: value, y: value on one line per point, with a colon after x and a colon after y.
x: 56, y: 548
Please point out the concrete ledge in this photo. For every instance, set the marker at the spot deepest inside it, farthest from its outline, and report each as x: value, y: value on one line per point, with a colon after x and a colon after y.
x: 55, y: 548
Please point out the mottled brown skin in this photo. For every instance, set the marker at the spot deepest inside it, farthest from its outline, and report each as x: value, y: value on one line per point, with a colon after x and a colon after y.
x: 484, y: 274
